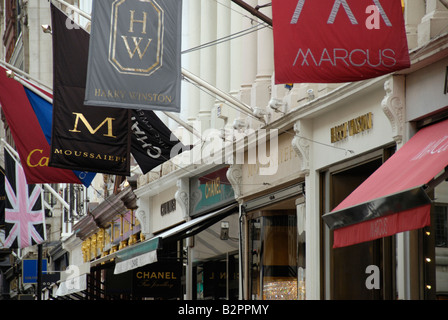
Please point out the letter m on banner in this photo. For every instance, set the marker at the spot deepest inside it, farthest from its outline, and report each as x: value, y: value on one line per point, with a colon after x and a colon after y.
x: 330, y: 41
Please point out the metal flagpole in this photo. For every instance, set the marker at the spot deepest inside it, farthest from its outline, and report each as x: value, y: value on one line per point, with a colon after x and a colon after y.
x: 25, y: 75
x: 253, y: 11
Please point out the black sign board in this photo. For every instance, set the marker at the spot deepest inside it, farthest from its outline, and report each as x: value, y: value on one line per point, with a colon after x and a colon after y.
x: 158, y: 280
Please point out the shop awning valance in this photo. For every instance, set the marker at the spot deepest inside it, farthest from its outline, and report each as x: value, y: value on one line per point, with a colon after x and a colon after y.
x: 72, y: 286
x: 394, y: 198
x: 146, y: 252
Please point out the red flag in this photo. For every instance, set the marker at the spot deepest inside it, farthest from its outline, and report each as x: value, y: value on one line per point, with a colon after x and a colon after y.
x: 330, y: 41
x: 31, y: 144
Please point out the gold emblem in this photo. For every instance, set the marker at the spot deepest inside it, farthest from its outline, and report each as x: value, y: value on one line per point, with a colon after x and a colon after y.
x: 136, y: 37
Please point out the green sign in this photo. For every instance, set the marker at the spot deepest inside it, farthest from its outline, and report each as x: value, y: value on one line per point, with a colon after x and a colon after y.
x: 214, y: 189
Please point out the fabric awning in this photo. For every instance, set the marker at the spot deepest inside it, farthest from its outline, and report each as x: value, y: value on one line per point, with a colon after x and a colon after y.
x: 146, y: 252
x: 394, y: 198
x: 71, y: 286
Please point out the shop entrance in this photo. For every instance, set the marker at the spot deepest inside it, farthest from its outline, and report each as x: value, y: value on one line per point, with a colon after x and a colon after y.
x: 217, y: 279
x: 364, y: 271
x: 273, y: 255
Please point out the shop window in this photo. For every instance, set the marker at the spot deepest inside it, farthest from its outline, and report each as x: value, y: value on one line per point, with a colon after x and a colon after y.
x: 441, y: 226
x: 436, y: 263
x: 217, y: 279
x: 273, y: 257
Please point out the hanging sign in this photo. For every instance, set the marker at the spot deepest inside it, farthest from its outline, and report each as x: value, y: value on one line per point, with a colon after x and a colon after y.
x: 331, y: 41
x: 134, y: 58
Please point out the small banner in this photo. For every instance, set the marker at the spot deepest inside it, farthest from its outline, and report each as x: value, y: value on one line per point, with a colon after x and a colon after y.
x: 134, y: 61
x: 152, y: 142
x: 331, y: 41
x: 84, y: 138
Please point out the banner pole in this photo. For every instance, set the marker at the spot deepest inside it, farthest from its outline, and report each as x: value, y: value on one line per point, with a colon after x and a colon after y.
x: 25, y: 75
x: 50, y: 100
x: 45, y: 185
x: 39, y: 272
x: 30, y: 87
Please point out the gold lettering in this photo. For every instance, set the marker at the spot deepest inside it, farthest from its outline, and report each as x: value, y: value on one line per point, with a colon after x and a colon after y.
x: 351, y: 127
x: 212, y: 188
x: 137, y: 46
x: 156, y: 275
x: 43, y: 162
x: 131, y: 27
x: 89, y: 127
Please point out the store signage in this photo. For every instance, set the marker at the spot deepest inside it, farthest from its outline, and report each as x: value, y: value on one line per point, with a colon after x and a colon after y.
x: 351, y: 127
x: 215, y: 191
x: 29, y: 270
x: 168, y: 207
x: 334, y: 41
x: 161, y: 279
x: 134, y: 57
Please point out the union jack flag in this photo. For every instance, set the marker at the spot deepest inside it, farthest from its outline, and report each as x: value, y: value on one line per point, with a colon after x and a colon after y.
x: 24, y: 215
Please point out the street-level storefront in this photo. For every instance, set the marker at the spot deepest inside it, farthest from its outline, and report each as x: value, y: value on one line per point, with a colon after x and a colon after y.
x: 152, y: 268
x: 189, y: 228
x: 213, y: 253
x: 273, y: 223
x: 387, y: 206
x: 357, y: 138
x: 426, y: 109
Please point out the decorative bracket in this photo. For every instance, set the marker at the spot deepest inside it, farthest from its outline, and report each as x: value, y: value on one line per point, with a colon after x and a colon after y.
x: 235, y: 176
x: 301, y: 147
x: 182, y: 196
x: 393, y: 105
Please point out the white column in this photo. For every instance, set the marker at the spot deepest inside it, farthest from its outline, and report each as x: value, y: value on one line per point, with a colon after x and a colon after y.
x: 261, y: 90
x: 433, y: 23
x: 223, y: 64
x: 208, y: 60
x: 413, y: 13
x: 301, y: 235
x: 235, y: 49
x: 191, y: 60
x: 38, y: 45
x: 249, y: 59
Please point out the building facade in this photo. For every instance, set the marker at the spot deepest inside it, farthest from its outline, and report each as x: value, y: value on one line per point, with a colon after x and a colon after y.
x: 239, y: 216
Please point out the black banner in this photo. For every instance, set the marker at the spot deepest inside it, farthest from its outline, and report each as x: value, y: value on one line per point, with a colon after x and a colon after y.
x: 84, y: 138
x: 152, y: 142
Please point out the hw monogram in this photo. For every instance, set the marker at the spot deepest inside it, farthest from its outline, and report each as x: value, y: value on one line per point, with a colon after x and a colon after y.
x: 136, y: 37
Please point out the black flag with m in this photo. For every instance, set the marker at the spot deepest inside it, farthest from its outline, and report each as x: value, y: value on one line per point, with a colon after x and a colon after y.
x: 84, y: 138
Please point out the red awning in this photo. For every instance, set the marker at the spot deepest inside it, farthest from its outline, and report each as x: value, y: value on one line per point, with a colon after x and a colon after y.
x: 393, y: 198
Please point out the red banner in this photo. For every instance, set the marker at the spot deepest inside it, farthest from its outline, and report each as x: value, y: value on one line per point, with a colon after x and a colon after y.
x: 30, y: 141
x: 382, y: 227
x: 331, y: 41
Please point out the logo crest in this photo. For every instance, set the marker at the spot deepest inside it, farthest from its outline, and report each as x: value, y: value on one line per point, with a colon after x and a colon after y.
x: 136, y: 37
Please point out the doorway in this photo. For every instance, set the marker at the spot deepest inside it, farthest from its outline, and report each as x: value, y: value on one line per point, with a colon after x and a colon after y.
x: 347, y: 269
